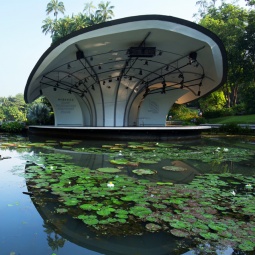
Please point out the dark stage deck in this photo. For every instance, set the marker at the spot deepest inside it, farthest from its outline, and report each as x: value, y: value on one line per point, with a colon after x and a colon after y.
x: 121, y: 133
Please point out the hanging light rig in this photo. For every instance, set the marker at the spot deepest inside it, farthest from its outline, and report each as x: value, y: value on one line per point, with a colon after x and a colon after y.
x: 135, y: 53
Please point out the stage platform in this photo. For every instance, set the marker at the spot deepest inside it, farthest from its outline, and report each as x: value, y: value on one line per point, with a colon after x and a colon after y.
x: 121, y: 133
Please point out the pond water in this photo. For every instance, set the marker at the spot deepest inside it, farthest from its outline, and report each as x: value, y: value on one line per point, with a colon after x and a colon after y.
x: 62, y: 197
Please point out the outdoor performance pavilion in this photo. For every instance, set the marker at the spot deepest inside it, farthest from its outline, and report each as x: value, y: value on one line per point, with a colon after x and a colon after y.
x: 127, y: 73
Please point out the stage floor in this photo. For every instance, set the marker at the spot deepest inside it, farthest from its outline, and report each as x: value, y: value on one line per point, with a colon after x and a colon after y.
x: 121, y: 133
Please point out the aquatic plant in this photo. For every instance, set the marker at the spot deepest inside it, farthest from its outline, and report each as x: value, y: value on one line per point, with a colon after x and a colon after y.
x: 204, y: 209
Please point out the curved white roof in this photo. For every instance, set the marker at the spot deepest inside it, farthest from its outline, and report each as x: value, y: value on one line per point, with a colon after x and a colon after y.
x: 183, y: 56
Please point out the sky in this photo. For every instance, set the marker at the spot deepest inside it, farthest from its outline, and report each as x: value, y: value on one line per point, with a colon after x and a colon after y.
x: 22, y: 41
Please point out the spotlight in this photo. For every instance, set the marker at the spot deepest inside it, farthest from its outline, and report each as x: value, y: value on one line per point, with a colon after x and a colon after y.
x: 79, y: 54
x: 54, y: 88
x: 167, y: 68
x: 110, y: 80
x: 70, y: 91
x: 192, y: 57
x: 141, y: 72
x: 99, y: 67
x: 68, y: 66
x: 93, y: 87
x: 103, y: 82
x: 160, y: 53
x: 91, y: 58
x: 130, y: 78
x: 146, y: 63
x: 199, y: 93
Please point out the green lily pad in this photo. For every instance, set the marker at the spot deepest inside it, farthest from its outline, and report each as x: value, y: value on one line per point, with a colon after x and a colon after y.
x: 109, y: 170
x: 144, y: 171
x: 121, y: 161
x: 174, y: 168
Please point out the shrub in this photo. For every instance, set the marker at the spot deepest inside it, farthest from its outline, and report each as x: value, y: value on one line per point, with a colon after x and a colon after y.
x: 233, y: 128
x: 219, y: 113
x: 12, y: 127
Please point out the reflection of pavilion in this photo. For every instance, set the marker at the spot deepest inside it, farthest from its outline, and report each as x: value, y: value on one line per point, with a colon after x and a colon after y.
x: 127, y: 72
x: 76, y: 232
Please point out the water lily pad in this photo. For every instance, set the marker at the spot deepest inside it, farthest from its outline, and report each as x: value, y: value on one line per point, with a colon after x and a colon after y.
x: 144, y: 171
x: 121, y: 161
x: 109, y: 170
x: 179, y: 233
x: 105, y: 211
x: 153, y: 227
x: 174, y: 168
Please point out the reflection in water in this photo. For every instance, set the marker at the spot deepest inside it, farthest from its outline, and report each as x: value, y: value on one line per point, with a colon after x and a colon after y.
x: 61, y: 228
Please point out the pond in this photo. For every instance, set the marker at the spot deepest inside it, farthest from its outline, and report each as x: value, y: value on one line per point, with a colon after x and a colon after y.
x: 62, y: 197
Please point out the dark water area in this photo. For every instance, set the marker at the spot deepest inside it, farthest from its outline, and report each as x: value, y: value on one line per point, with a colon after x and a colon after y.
x: 30, y: 225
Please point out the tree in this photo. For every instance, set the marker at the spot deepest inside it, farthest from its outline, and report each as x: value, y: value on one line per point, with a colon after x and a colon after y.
x: 48, y: 26
x: 88, y: 8
x: 105, y: 11
x: 204, y: 5
x: 59, y: 28
x: 250, y: 2
x: 229, y: 23
x: 55, y: 6
x: 212, y: 102
x: 13, y: 108
x: 249, y: 42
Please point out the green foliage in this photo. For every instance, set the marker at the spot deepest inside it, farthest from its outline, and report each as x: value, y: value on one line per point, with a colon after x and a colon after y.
x: 38, y: 113
x: 218, y: 113
x: 13, y: 108
x: 182, y: 112
x: 247, y: 97
x: 59, y: 28
x: 229, y: 22
x: 213, y: 102
x: 233, y: 128
x: 12, y: 127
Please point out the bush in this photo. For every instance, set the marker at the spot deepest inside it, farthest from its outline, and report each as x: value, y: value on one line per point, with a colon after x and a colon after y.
x: 12, y: 127
x: 218, y: 113
x: 233, y: 128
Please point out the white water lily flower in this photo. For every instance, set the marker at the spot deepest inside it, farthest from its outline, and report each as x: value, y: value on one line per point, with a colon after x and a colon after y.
x: 233, y: 193
x: 110, y: 185
x: 225, y: 149
x: 248, y: 186
x: 120, y: 154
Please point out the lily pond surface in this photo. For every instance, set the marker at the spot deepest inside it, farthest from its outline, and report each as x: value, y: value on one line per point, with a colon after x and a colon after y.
x: 62, y: 197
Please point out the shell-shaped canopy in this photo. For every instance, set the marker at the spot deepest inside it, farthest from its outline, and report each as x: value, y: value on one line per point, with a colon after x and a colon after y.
x: 132, y: 58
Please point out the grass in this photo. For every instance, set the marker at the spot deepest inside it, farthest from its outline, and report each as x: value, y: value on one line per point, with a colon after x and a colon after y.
x: 243, y: 119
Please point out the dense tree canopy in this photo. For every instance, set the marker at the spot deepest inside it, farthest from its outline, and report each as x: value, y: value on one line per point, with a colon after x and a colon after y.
x: 91, y: 15
x: 235, y: 26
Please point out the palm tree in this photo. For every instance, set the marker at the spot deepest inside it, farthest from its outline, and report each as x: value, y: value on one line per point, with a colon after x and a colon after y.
x: 48, y: 26
x: 105, y: 11
x: 88, y: 7
x: 55, y: 7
